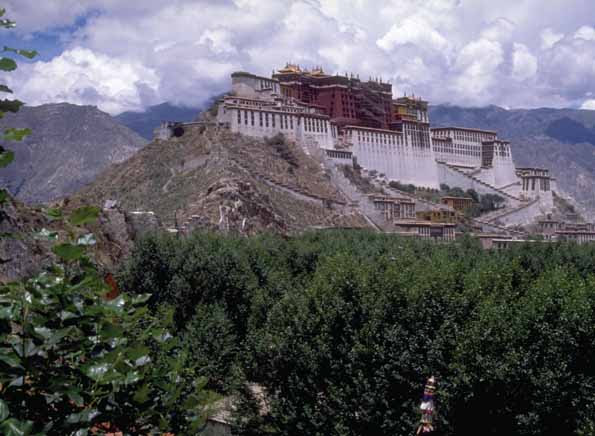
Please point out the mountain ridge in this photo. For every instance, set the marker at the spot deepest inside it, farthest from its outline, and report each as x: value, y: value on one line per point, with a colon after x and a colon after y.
x: 69, y: 145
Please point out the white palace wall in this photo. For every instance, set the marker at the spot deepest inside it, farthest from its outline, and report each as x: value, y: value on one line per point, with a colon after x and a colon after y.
x: 305, y: 129
x: 393, y: 154
x: 503, y: 165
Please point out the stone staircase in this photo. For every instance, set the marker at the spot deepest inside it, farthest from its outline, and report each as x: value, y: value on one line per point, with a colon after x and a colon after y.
x: 480, y: 182
x: 358, y: 199
x: 501, y: 213
x: 489, y: 227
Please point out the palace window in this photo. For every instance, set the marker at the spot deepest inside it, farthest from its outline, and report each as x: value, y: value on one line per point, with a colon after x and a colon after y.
x: 273, y: 119
x: 239, y: 116
x: 266, y: 119
x: 260, y: 118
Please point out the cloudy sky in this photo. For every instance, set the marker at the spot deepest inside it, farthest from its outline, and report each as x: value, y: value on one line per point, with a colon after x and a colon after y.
x: 127, y: 55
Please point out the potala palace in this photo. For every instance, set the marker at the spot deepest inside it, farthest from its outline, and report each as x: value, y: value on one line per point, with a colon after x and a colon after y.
x: 391, y: 136
x: 359, y: 123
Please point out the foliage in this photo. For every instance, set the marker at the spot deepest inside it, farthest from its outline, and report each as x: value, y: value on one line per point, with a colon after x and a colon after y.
x: 283, y: 149
x: 487, y: 203
x: 472, y: 193
x: 354, y: 175
x: 342, y: 329
x: 212, y: 344
x: 75, y: 355
x: 402, y: 187
x: 8, y: 64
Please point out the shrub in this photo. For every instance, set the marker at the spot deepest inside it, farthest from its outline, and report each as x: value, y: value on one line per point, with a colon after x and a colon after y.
x: 401, y: 187
x: 283, y: 149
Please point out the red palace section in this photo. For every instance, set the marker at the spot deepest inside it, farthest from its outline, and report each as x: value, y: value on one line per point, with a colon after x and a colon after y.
x: 345, y: 99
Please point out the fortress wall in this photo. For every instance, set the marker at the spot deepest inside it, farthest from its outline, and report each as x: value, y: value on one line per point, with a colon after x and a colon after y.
x: 504, y: 171
x: 525, y: 215
x: 391, y: 153
x: 406, y: 164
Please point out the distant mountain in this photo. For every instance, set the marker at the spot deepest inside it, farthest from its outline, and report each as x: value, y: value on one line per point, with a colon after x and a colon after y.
x: 562, y: 140
x: 143, y: 123
x: 69, y: 146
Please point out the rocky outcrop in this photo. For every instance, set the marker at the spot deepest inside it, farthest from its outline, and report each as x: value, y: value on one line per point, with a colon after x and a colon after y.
x: 242, y: 209
x: 21, y: 254
x: 25, y: 251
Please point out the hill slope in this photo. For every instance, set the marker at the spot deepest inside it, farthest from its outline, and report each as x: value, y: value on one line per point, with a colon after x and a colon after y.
x: 217, y: 179
x: 143, y: 123
x: 562, y: 140
x: 69, y: 146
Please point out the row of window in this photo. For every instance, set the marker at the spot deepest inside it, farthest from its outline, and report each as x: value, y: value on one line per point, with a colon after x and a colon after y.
x: 379, y: 138
x: 315, y: 125
x: 247, y: 102
x: 465, y: 135
x: 530, y: 184
x: 457, y: 151
x: 267, y: 84
x: 286, y: 122
x: 248, y: 117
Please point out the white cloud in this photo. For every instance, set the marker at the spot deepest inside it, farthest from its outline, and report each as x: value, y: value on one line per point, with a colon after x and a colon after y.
x: 549, y: 38
x: 412, y: 31
x: 477, y: 63
x: 219, y: 40
x: 503, y: 52
x: 82, y: 76
x: 524, y: 64
x: 586, y: 32
x: 589, y: 104
x: 500, y: 29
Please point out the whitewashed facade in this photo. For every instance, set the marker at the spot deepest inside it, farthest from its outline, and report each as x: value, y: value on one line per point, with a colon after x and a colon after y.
x: 404, y: 156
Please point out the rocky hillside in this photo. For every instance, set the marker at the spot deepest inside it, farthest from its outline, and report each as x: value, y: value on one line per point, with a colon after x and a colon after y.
x: 212, y: 178
x: 562, y: 140
x: 69, y: 146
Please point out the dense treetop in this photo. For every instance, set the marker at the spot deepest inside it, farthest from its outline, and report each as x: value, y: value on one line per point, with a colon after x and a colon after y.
x: 344, y: 327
